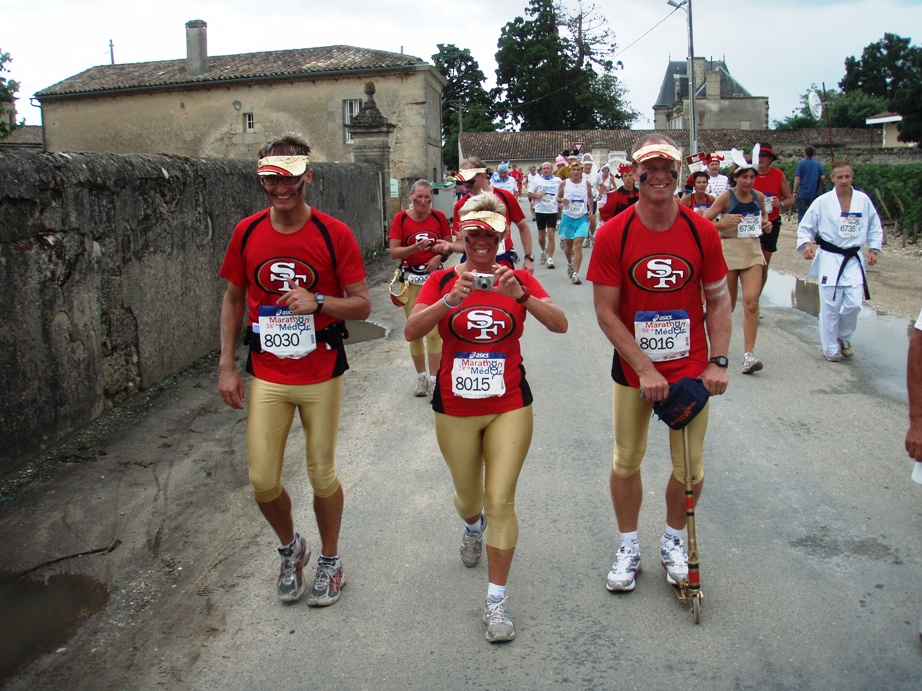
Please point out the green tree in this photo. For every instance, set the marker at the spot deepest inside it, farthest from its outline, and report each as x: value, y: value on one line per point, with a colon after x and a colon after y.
x: 891, y: 69
x: 8, y: 89
x: 908, y: 102
x: 556, y: 71
x: 531, y: 70
x: 463, y: 96
x: 845, y: 110
x: 885, y: 67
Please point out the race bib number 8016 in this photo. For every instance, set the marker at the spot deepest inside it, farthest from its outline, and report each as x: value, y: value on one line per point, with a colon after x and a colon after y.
x: 664, y: 335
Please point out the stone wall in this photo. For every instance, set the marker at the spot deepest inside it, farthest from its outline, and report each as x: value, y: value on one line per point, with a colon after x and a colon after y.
x: 108, y: 272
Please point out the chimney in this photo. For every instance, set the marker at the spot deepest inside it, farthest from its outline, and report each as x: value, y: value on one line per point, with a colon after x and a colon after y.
x: 196, y: 47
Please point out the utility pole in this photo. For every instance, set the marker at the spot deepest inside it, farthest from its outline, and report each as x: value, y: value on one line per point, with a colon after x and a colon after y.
x: 111, y: 51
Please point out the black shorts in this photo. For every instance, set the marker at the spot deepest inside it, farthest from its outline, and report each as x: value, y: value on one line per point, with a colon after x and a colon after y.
x: 546, y: 220
x: 769, y: 240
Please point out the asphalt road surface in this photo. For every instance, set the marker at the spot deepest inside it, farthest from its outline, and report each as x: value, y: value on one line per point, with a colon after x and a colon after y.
x: 809, y: 531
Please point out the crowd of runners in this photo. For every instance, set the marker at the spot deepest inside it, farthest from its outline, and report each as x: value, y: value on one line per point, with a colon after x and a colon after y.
x: 666, y: 261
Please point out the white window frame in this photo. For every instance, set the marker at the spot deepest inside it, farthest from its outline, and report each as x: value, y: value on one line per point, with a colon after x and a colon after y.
x: 249, y: 122
x: 351, y: 108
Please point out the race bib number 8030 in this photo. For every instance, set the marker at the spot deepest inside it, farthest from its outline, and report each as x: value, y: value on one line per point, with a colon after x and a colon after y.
x: 285, y: 334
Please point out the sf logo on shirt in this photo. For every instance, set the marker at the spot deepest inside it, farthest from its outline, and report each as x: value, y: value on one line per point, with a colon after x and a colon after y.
x: 661, y: 273
x: 482, y: 324
x: 282, y: 274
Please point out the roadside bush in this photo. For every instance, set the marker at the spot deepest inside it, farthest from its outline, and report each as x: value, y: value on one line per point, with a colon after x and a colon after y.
x: 894, y: 189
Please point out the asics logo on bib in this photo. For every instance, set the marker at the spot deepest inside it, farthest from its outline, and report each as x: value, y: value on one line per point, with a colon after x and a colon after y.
x: 661, y: 273
x: 482, y: 324
x: 280, y: 275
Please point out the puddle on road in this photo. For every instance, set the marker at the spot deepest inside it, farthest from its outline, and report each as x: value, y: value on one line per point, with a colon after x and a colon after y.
x: 361, y: 331
x: 41, y: 616
x: 880, y: 339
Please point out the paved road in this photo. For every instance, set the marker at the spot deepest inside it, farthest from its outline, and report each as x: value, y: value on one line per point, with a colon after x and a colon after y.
x: 809, y: 533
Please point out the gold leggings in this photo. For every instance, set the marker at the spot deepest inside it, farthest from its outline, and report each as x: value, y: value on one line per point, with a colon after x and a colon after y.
x: 270, y: 412
x: 632, y: 422
x: 432, y: 339
x: 485, y: 455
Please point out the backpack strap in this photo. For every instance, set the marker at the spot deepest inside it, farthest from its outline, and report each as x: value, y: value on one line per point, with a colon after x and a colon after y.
x: 326, y: 238
x: 250, y: 228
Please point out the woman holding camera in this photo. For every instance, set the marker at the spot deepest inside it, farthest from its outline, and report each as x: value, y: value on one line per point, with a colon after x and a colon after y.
x: 482, y: 403
x: 412, y: 239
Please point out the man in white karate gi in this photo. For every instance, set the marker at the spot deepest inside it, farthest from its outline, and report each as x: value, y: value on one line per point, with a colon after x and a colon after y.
x: 840, y: 222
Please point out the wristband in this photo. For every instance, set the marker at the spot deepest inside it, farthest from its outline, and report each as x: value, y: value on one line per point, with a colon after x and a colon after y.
x: 448, y: 304
x: 530, y: 257
x: 526, y: 293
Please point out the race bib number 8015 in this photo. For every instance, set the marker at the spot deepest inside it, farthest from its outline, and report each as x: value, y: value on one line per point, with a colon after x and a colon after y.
x: 478, y: 375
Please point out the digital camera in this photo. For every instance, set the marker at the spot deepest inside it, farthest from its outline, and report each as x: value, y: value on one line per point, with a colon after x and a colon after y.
x: 484, y: 281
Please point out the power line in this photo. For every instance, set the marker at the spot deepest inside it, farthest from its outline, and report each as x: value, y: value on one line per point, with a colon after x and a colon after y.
x: 646, y: 32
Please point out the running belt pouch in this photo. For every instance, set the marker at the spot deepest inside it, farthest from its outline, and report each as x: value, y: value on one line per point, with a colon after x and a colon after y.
x: 400, y: 298
x: 686, y: 399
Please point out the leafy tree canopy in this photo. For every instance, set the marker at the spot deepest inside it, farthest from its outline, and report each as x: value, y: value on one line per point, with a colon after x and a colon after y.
x: 845, y: 110
x: 885, y: 67
x: 463, y: 97
x: 8, y: 89
x: 556, y: 71
x: 890, y: 69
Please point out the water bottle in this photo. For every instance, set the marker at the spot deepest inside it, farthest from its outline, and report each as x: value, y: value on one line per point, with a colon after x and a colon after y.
x: 917, y: 476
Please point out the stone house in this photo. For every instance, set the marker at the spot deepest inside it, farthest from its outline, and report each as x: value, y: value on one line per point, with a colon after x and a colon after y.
x: 227, y: 106
x: 721, y: 102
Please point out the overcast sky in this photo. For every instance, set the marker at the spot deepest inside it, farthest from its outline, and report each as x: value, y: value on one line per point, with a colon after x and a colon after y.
x: 775, y: 48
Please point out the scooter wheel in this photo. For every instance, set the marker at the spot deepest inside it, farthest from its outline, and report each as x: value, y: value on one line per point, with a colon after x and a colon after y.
x: 696, y: 609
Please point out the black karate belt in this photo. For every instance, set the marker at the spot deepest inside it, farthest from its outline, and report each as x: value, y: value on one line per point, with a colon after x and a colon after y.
x: 849, y: 253
x: 686, y: 399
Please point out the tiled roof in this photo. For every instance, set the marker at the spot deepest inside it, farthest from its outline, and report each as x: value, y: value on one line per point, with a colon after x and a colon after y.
x: 25, y: 136
x: 273, y: 63
x: 531, y: 146
x: 729, y: 87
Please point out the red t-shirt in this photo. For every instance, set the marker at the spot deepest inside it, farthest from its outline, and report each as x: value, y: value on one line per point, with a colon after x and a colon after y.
x: 486, y: 322
x: 409, y: 232
x: 513, y: 213
x: 517, y: 176
x: 270, y: 263
x: 616, y: 202
x: 659, y: 271
x: 770, y: 183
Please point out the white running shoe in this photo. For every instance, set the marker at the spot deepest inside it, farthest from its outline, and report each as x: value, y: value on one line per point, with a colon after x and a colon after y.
x: 543, y: 256
x: 499, y: 623
x: 751, y: 363
x: 675, y: 561
x: 624, y: 572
